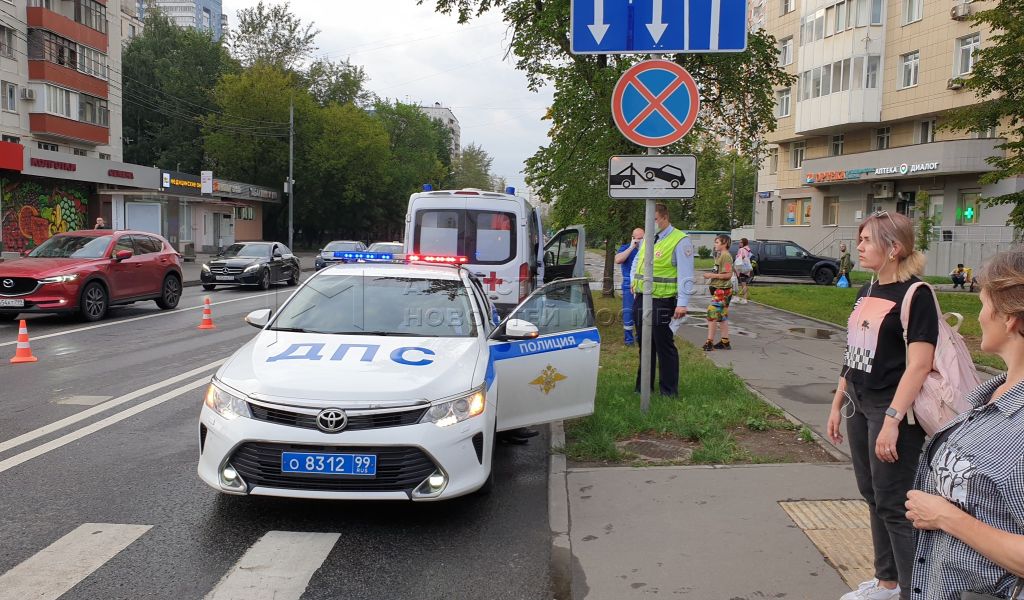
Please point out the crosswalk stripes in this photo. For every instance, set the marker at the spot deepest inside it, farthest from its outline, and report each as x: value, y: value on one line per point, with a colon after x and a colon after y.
x: 277, y: 567
x: 60, y: 566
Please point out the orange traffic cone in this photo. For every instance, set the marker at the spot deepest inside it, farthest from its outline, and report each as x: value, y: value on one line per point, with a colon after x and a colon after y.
x: 23, y: 354
x: 207, y: 316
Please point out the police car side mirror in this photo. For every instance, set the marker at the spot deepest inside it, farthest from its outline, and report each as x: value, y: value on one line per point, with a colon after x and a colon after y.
x: 518, y: 329
x: 258, y: 318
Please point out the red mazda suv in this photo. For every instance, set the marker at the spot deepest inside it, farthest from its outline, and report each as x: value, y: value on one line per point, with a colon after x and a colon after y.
x: 88, y: 271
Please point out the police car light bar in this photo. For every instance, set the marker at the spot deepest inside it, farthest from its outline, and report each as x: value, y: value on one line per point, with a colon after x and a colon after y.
x: 448, y: 260
x: 367, y: 256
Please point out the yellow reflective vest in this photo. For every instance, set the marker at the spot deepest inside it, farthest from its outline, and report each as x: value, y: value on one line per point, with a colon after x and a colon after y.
x: 665, y: 273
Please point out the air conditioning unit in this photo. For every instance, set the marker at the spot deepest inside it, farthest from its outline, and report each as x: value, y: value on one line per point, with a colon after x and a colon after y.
x: 882, y: 189
x: 955, y: 84
x: 28, y: 93
x: 960, y: 11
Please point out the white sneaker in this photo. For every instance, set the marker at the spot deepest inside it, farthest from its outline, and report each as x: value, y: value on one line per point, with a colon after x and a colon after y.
x: 870, y: 590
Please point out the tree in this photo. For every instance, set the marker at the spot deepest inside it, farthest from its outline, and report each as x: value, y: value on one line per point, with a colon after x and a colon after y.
x: 570, y: 171
x: 340, y: 82
x: 997, y: 79
x: 473, y: 168
x: 272, y: 34
x: 925, y: 222
x: 168, y: 77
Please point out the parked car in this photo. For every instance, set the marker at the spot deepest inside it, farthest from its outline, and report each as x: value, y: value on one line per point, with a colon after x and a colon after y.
x: 784, y: 258
x: 252, y: 263
x: 332, y: 252
x: 393, y: 248
x: 670, y: 173
x: 87, y: 272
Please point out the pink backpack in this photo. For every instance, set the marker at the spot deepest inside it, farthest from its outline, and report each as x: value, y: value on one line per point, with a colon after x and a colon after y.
x: 944, y: 393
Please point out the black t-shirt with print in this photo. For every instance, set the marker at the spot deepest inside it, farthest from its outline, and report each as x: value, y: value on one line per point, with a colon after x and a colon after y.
x: 875, y: 353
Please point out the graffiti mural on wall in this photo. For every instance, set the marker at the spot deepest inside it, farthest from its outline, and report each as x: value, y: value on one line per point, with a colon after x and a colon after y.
x: 33, y: 211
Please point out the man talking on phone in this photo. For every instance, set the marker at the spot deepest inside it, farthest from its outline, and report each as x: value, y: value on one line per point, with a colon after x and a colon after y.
x: 625, y: 257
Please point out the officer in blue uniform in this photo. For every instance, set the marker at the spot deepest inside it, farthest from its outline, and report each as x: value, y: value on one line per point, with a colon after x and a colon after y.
x: 625, y: 257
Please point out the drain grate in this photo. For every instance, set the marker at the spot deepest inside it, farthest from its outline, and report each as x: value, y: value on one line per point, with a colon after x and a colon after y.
x: 842, y: 533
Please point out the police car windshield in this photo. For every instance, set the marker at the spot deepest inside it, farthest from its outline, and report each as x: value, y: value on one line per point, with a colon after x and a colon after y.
x: 357, y: 304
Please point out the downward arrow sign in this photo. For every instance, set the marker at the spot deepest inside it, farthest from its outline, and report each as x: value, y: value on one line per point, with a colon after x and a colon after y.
x: 656, y: 27
x: 599, y: 28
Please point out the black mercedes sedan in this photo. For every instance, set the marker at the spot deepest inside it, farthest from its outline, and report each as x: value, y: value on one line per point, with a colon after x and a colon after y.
x: 252, y: 263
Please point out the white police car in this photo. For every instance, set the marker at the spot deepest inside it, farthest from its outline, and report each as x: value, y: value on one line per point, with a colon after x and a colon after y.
x: 389, y: 381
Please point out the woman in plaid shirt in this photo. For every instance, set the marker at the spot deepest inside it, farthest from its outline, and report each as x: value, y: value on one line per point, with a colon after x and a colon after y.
x: 968, y: 502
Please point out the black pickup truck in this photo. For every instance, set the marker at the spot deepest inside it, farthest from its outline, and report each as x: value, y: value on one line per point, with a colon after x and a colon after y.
x: 783, y: 258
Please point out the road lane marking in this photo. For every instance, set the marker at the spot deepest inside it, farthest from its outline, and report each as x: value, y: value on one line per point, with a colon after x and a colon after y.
x: 77, y: 434
x: 162, y: 313
x: 85, y: 414
x: 277, y: 567
x: 63, y: 564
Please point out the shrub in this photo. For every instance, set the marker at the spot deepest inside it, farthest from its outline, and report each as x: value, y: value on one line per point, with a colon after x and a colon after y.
x: 703, y: 252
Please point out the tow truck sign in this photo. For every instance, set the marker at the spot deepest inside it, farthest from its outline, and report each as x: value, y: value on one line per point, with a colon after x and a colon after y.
x: 662, y: 176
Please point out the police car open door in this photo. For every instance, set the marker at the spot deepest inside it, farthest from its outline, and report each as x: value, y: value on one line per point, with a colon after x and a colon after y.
x: 544, y: 356
x: 564, y: 254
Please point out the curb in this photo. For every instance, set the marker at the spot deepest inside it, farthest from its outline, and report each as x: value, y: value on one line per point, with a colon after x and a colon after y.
x: 834, y: 452
x: 558, y: 518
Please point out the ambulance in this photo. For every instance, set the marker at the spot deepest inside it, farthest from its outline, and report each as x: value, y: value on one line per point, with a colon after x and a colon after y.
x: 501, y: 237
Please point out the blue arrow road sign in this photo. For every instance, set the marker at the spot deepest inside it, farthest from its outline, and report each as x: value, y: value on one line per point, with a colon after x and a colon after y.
x: 658, y: 26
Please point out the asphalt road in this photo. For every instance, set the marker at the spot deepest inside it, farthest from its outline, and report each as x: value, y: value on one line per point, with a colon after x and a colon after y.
x: 99, y: 496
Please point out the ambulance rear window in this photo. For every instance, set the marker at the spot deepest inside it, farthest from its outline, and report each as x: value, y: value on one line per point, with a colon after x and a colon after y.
x: 486, y: 237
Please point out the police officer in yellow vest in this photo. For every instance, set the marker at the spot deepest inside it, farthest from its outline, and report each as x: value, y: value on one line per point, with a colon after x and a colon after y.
x: 673, y: 284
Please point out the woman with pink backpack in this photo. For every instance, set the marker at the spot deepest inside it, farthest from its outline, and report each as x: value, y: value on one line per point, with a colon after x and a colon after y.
x: 884, y: 369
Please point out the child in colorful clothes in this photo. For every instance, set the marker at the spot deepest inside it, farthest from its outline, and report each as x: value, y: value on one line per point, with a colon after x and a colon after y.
x: 718, y: 312
x: 720, y: 280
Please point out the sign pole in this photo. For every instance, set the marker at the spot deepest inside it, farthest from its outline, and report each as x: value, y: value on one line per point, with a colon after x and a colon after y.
x: 646, y: 328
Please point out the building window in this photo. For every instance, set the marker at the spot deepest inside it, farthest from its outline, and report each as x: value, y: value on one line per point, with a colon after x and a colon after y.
x: 92, y: 14
x: 6, y: 42
x: 43, y: 45
x: 965, y: 49
x: 47, y: 4
x: 911, y: 11
x: 786, y: 51
x: 770, y: 213
x: 10, y: 138
x: 876, y: 12
x: 788, y: 6
x: 798, y: 212
x: 58, y: 101
x: 92, y: 62
x: 909, y: 64
x: 926, y: 131
x: 857, y: 73
x: 48, y: 146
x: 10, y: 96
x: 773, y: 160
x: 836, y: 148
x: 988, y: 132
x: 871, y: 78
x: 831, y: 210
x: 782, y: 103
x: 796, y: 154
x: 93, y: 110
x: 882, y: 137
x: 968, y: 208
x: 245, y: 213
x: 104, y: 156
x: 830, y: 21
x: 80, y: 152
x: 207, y: 20
x: 841, y: 16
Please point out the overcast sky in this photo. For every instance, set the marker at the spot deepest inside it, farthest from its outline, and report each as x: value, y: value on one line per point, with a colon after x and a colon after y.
x: 415, y: 55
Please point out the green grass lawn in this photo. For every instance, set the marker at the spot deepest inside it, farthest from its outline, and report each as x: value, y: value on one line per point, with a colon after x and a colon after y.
x: 833, y: 304
x: 703, y: 263
x: 712, y: 400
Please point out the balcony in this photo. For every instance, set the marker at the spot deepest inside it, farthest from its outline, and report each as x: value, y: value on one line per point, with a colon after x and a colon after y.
x: 816, y: 116
x: 47, y: 19
x: 44, y: 70
x: 952, y: 157
x: 68, y: 129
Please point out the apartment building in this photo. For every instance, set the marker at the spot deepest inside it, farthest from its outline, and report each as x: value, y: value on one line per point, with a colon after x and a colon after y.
x: 858, y: 131
x: 448, y: 119
x: 131, y: 23
x: 199, y: 14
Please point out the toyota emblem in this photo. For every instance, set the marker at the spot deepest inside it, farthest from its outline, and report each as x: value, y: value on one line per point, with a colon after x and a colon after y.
x: 331, y: 420
x: 8, y: 283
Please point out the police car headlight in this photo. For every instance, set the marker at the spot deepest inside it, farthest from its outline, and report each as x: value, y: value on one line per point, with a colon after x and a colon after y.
x: 225, y: 403
x: 457, y: 410
x: 252, y: 268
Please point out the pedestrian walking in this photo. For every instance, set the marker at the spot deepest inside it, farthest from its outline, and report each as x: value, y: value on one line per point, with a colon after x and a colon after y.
x: 968, y: 501
x: 625, y: 257
x: 883, y: 371
x: 845, y: 261
x: 744, y: 269
x: 720, y: 280
x: 673, y: 284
